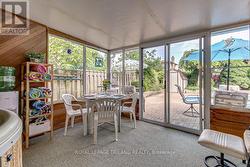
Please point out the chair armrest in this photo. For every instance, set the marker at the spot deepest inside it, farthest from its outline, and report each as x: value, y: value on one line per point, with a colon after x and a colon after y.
x: 75, y: 98
x: 125, y: 103
x: 77, y: 105
x: 74, y: 105
x: 80, y: 100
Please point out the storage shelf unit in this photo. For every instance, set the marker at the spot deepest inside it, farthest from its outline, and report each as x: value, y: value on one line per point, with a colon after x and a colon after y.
x: 42, y: 98
x: 41, y: 115
x: 33, y: 129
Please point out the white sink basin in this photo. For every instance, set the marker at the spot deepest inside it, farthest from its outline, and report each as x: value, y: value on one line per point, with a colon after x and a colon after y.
x: 10, y: 129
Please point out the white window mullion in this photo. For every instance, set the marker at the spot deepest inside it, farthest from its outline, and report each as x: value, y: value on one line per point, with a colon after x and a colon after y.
x: 123, y: 70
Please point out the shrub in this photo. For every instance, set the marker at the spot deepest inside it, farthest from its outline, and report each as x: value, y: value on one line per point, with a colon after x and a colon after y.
x: 135, y: 83
x: 238, y: 75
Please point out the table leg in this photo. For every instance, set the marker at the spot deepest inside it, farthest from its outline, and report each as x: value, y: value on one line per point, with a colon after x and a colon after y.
x: 90, y: 121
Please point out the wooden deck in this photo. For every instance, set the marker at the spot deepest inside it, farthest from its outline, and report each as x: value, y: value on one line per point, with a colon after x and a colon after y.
x: 154, y: 110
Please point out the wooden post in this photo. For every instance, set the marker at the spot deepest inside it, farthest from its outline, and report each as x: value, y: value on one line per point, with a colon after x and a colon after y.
x: 27, y: 106
x: 52, y: 105
x: 22, y: 90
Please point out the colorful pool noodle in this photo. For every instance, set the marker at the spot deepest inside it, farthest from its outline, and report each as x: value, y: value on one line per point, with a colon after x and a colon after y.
x: 39, y: 120
x: 39, y: 68
x: 35, y: 93
x: 34, y: 113
x: 46, y: 109
x: 46, y: 92
x: 38, y: 105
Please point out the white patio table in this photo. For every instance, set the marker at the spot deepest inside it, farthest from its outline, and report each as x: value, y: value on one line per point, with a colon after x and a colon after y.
x: 90, y: 100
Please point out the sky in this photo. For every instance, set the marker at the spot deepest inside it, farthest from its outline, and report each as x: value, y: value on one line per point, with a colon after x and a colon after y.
x: 242, y: 34
x: 177, y: 49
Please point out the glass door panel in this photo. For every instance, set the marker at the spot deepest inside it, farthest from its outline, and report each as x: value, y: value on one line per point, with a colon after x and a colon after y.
x: 230, y: 72
x: 185, y: 84
x: 153, y: 83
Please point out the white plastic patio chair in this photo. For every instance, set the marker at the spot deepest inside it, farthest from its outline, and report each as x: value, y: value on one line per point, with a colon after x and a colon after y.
x: 129, y: 90
x: 131, y: 109
x: 106, y: 112
x: 72, y: 113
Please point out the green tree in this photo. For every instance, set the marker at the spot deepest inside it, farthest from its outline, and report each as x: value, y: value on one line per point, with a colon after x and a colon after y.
x: 59, y: 54
x: 238, y: 75
x: 248, y: 73
x: 68, y: 55
x: 132, y: 55
x: 153, y: 72
x: 190, y: 68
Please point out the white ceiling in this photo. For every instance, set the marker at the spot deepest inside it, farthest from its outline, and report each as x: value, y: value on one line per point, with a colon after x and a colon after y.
x: 116, y: 23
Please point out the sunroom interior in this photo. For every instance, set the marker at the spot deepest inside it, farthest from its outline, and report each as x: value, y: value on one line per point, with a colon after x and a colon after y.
x: 125, y: 83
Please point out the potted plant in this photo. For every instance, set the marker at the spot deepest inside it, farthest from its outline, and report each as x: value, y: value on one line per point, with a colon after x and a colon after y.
x: 35, y: 57
x: 106, y: 84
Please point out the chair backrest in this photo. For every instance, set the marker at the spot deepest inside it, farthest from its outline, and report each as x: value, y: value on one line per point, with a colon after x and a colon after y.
x: 129, y: 90
x: 106, y: 108
x: 112, y: 91
x: 135, y: 97
x: 181, y: 92
x: 67, y: 99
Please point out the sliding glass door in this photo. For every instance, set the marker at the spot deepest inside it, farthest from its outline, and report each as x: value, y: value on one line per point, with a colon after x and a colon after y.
x: 153, y: 84
x: 173, y: 84
x: 185, y: 84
